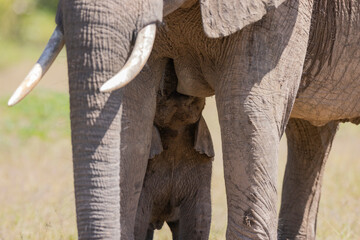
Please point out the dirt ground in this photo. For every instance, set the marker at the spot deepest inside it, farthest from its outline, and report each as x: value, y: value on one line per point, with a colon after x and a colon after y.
x: 41, y: 185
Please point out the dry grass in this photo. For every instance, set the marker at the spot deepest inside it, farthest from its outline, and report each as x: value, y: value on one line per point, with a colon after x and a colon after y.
x: 37, y: 199
x: 37, y: 202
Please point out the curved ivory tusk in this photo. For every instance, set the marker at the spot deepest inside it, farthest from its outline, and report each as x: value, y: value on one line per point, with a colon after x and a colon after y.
x: 136, y: 61
x: 48, y: 56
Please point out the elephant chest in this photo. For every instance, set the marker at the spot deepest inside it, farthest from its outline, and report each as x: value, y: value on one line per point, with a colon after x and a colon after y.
x: 195, y: 56
x: 330, y: 87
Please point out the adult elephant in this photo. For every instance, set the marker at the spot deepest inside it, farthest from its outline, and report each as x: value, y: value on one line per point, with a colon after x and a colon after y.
x: 249, y: 53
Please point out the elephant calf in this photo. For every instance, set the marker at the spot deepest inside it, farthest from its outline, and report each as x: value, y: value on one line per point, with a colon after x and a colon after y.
x: 176, y: 187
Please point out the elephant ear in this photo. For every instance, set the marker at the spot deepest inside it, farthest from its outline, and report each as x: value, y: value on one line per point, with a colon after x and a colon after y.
x: 224, y: 17
x: 203, y: 143
x: 156, y: 146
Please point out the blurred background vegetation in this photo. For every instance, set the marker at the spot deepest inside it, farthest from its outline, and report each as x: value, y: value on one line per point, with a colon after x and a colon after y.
x: 25, y: 25
x: 36, y: 184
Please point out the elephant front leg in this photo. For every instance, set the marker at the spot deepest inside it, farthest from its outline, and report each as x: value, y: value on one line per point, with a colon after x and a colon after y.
x: 250, y: 151
x: 308, y: 148
x: 254, y: 96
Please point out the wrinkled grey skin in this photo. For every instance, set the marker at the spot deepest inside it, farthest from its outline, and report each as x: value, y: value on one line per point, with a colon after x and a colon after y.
x: 329, y: 93
x: 253, y: 63
x: 177, y: 183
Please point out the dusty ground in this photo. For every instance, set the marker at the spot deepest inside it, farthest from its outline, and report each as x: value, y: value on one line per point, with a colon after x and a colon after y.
x: 36, y: 191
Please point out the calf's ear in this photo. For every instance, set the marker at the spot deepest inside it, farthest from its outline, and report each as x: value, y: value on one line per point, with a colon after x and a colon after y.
x: 156, y: 145
x: 224, y: 17
x: 203, y: 143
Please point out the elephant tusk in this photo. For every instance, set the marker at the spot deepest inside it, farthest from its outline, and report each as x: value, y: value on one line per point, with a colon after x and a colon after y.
x: 139, y: 56
x: 48, y: 56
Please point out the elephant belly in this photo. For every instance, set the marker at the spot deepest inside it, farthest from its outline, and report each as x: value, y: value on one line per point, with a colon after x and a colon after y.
x: 330, y: 86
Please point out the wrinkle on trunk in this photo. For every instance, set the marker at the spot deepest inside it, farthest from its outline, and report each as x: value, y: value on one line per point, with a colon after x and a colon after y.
x: 95, y: 123
x: 110, y: 132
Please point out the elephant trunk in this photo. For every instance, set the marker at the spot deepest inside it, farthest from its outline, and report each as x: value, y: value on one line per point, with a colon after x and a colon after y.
x: 95, y: 124
x: 107, y: 177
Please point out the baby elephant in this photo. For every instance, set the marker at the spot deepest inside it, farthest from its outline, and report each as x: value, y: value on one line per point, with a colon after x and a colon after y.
x: 176, y: 187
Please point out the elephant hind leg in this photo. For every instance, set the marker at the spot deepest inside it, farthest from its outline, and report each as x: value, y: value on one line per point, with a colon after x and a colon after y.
x: 308, y: 149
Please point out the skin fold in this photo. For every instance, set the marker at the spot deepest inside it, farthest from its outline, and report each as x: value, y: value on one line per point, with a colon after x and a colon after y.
x: 266, y: 61
x: 176, y: 187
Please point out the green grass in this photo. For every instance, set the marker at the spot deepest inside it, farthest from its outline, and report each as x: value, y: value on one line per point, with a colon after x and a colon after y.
x: 42, y: 115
